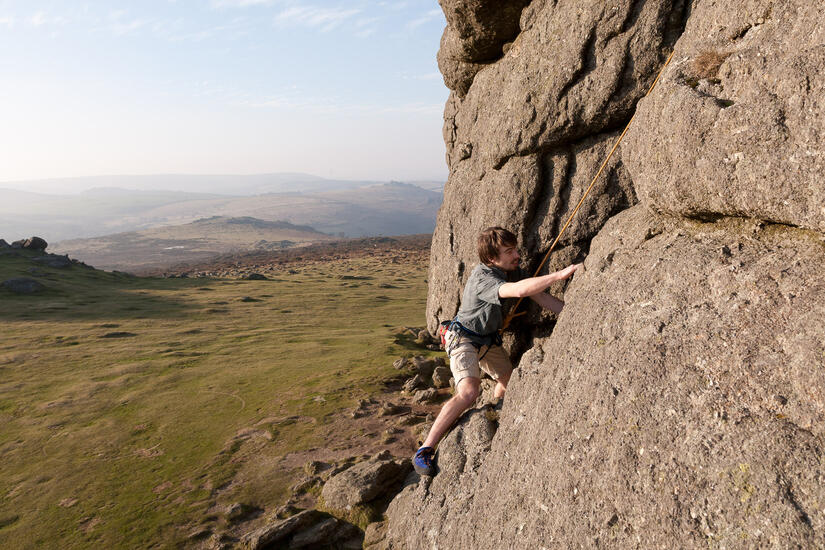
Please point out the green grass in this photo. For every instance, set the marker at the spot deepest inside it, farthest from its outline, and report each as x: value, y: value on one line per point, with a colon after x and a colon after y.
x: 120, y: 397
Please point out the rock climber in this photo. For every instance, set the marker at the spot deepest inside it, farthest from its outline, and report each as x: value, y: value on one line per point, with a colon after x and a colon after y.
x: 473, y: 342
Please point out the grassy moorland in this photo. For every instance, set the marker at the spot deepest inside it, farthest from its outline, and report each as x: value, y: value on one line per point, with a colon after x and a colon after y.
x: 132, y: 409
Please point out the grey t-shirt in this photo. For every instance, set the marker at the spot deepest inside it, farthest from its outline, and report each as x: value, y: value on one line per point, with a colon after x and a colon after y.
x: 481, y: 309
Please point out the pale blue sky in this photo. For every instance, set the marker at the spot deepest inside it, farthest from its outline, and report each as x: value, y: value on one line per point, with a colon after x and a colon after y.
x: 344, y: 89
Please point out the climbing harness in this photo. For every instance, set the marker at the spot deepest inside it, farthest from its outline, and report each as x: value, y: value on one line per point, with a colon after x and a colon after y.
x: 489, y: 340
x: 512, y: 315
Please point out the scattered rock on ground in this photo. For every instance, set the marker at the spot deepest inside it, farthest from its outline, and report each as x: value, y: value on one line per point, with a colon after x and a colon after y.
x: 53, y: 260
x: 305, y: 485
x: 441, y: 377
x: 424, y: 365
x: 237, y: 511
x: 417, y: 382
x: 315, y: 467
x: 412, y: 420
x: 429, y: 395
x: 255, y: 277
x: 389, y: 409
x: 23, y: 285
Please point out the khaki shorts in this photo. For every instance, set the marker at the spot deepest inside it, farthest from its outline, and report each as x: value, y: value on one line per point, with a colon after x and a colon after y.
x: 464, y: 361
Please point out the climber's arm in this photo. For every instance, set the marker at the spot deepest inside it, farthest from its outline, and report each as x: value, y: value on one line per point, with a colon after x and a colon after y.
x: 548, y: 301
x: 535, y: 285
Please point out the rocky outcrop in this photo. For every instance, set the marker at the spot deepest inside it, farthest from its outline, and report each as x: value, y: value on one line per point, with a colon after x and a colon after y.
x: 476, y: 34
x: 34, y: 243
x: 527, y: 137
x: 671, y: 406
x: 679, y: 400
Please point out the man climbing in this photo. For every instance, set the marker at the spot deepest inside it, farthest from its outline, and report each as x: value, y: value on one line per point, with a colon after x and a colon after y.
x: 473, y: 342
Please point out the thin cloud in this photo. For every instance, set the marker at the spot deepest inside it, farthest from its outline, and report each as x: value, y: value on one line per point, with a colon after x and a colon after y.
x: 426, y: 18
x: 426, y: 76
x: 128, y: 27
x: 38, y: 19
x: 241, y: 3
x: 120, y: 25
x: 331, y: 105
x: 7, y: 21
x: 312, y: 16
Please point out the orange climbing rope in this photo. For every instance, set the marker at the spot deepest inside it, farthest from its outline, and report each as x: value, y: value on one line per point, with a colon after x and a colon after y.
x: 512, y: 315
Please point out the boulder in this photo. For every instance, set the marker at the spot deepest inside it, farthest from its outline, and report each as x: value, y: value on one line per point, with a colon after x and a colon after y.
x: 364, y: 483
x: 23, y: 285
x: 424, y: 366
x: 441, y: 377
x: 315, y: 536
x: 423, y: 337
x: 308, y: 529
x: 255, y: 277
x: 476, y: 33
x: 422, y: 397
x: 734, y: 127
x: 34, y: 243
x: 400, y: 363
x: 280, y: 530
x: 415, y: 383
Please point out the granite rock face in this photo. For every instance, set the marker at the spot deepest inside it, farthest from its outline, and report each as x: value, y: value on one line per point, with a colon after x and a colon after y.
x: 679, y: 399
x: 735, y: 126
x: 536, y: 124
x: 476, y: 33
x: 670, y: 407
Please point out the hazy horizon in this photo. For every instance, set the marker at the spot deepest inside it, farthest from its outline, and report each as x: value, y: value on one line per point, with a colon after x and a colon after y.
x: 197, y: 183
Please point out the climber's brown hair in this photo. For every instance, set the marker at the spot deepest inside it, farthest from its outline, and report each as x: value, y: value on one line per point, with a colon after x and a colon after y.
x: 491, y: 241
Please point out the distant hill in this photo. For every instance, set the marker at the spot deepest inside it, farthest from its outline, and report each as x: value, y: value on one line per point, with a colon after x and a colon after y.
x: 355, y: 209
x: 86, y: 214
x: 196, y: 241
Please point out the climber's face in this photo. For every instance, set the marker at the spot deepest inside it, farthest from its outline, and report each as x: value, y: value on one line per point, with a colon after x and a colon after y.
x: 507, y: 259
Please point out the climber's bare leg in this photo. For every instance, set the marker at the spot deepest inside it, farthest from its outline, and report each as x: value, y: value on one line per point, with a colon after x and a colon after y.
x: 466, y: 394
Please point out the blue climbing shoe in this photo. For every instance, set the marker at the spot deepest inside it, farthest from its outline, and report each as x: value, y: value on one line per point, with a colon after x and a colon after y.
x: 423, y: 461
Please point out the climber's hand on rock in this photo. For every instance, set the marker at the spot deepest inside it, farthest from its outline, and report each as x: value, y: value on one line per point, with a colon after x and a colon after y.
x: 567, y: 271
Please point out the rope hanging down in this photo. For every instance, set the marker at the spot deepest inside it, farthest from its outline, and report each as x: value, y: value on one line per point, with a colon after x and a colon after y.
x: 513, y: 314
